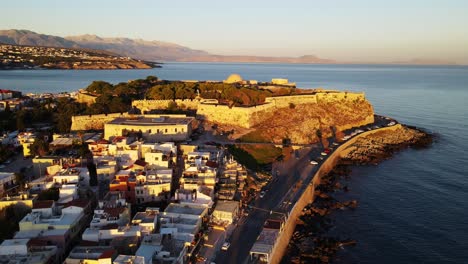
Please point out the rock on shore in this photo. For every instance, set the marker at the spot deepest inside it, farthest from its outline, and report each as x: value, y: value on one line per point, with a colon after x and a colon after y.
x: 373, y: 148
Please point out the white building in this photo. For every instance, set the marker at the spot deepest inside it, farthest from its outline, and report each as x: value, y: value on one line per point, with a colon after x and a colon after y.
x: 113, y: 209
x: 7, y: 181
x: 20, y: 251
x: 147, y: 220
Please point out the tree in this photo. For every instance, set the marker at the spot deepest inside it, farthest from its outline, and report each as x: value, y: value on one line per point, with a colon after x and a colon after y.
x: 19, y: 178
x: 83, y: 150
x: 49, y: 194
x: 93, y: 180
x: 333, y: 130
x: 318, y: 133
x: 39, y: 147
x: 99, y: 87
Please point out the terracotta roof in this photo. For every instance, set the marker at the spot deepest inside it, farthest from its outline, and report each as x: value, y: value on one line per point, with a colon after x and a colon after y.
x: 43, y: 204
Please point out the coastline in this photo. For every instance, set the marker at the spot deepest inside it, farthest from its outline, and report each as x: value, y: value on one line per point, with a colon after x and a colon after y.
x: 325, y: 180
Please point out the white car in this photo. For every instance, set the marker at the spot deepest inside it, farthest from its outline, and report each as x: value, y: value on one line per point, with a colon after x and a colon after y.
x: 313, y: 162
x: 323, y: 154
x: 226, y: 246
x: 335, y: 144
x: 262, y: 193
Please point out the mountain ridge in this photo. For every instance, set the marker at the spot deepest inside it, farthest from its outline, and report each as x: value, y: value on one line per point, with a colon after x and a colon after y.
x: 153, y: 50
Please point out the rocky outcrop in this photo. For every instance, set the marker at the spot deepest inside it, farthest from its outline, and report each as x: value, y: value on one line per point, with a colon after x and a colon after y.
x: 300, y: 122
x: 378, y: 146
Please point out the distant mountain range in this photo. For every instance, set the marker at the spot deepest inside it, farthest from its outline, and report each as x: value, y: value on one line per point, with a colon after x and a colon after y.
x: 155, y: 50
x: 138, y: 48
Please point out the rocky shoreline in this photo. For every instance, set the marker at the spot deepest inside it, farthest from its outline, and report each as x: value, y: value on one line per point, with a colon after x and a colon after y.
x: 381, y: 145
x: 311, y: 241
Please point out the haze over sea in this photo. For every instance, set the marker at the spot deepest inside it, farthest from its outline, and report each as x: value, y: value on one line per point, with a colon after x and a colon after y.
x: 412, y: 208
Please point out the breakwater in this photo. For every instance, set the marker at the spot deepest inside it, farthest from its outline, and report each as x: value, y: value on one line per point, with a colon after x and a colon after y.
x: 306, y: 194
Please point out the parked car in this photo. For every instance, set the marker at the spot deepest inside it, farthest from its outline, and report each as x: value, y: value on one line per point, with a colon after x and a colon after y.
x: 226, y: 246
x: 313, y: 162
x: 262, y: 193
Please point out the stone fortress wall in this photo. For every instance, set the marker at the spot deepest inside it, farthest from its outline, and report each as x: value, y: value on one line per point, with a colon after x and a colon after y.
x: 247, y: 117
x: 148, y: 105
x: 96, y: 122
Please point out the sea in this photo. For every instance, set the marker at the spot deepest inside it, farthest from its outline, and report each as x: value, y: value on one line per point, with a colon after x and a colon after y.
x: 413, y: 208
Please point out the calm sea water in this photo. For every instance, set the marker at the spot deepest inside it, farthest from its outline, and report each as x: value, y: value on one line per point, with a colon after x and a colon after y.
x: 412, y: 208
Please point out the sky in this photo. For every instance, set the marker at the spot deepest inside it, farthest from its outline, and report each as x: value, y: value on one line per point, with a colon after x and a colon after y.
x: 344, y: 30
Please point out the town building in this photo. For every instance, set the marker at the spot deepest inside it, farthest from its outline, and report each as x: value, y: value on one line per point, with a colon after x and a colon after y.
x: 91, y: 254
x: 147, y: 220
x: 225, y: 212
x: 7, y: 182
x: 152, y: 129
x: 113, y: 209
x: 27, y: 251
x: 154, y: 186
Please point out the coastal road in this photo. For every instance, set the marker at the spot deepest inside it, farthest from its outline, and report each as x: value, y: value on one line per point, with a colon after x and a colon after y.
x: 293, y: 175
x: 248, y: 229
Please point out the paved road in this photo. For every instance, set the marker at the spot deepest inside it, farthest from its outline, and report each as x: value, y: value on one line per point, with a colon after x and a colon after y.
x: 250, y: 227
x: 16, y: 164
x: 280, y: 197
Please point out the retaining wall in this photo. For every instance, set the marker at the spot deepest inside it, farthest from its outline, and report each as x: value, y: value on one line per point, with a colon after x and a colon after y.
x: 308, y: 194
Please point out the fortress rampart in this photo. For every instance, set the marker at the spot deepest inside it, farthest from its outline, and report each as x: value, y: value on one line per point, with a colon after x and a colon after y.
x: 96, y: 122
x: 249, y: 116
x: 148, y: 105
x: 246, y: 117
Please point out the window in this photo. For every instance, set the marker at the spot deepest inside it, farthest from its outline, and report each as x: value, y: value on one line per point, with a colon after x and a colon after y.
x: 149, y: 131
x: 175, y: 129
x: 166, y: 130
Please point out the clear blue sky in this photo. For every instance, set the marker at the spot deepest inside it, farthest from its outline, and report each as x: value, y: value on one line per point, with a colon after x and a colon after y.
x: 347, y: 30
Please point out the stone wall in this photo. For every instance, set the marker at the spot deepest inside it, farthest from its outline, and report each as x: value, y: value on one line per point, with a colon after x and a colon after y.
x: 308, y: 194
x: 96, y: 122
x: 250, y: 116
x: 148, y: 105
x: 83, y: 97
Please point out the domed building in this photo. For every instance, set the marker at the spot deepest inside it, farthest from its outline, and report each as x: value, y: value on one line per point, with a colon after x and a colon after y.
x: 233, y: 78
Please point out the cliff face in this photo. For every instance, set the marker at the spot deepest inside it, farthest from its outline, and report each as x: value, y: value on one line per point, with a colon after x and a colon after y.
x: 300, y: 122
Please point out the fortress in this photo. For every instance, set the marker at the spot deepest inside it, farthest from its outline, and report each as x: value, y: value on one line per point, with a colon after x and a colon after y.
x: 248, y: 117
x: 296, y: 117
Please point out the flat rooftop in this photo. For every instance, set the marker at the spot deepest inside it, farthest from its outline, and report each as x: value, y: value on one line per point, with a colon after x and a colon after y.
x: 125, y: 259
x: 145, y: 217
x: 227, y: 206
x: 152, y: 121
x: 184, y: 209
x: 177, y: 220
x: 265, y: 241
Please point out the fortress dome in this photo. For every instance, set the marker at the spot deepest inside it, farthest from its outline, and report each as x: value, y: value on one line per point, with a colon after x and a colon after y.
x: 233, y: 78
